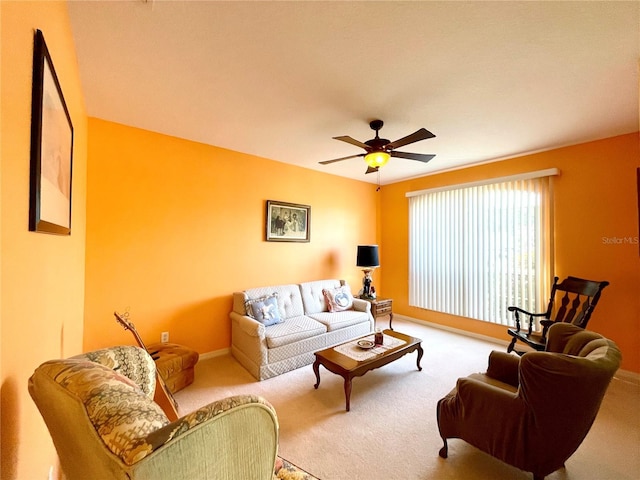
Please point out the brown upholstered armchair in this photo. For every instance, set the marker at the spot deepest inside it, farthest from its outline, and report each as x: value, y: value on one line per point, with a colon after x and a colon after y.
x: 533, y: 411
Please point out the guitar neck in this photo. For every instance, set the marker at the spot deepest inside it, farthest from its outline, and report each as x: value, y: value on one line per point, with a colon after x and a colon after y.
x: 163, y: 396
x: 138, y: 339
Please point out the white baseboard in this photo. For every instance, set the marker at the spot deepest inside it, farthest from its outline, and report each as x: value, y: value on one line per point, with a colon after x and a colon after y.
x: 622, y: 375
x: 453, y: 330
x: 215, y: 353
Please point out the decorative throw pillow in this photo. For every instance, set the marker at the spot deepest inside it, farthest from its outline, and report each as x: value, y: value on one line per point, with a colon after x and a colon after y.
x: 264, y: 309
x: 338, y: 299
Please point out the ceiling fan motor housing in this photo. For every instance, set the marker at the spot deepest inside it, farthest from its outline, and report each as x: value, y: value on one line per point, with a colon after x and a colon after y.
x: 377, y: 144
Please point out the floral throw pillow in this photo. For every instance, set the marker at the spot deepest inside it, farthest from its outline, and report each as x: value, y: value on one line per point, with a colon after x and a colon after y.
x: 338, y: 299
x: 264, y: 309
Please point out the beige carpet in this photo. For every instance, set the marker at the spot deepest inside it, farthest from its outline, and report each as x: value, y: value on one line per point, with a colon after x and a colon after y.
x: 391, y: 431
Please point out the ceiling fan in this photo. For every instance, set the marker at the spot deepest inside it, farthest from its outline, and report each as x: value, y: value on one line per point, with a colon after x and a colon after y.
x: 379, y: 150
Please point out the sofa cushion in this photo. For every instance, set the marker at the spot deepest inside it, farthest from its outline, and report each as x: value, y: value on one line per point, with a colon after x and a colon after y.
x: 264, y: 309
x: 338, y: 299
x: 337, y: 320
x: 289, y: 299
x: 292, y: 330
x: 312, y: 296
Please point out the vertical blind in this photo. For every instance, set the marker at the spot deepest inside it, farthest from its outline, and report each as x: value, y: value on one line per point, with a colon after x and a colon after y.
x: 476, y: 249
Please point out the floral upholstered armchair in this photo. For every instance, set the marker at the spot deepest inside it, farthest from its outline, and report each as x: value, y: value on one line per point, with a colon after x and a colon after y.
x: 100, y: 412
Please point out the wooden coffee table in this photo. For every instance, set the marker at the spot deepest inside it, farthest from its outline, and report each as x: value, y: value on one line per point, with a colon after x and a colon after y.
x: 348, y: 367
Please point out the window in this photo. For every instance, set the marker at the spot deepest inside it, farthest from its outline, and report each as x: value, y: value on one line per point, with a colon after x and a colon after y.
x: 475, y: 249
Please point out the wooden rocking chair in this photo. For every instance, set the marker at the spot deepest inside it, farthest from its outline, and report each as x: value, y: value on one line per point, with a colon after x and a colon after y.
x: 571, y: 301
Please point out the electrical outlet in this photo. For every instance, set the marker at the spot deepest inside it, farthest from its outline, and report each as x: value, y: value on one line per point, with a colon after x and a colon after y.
x: 164, y: 337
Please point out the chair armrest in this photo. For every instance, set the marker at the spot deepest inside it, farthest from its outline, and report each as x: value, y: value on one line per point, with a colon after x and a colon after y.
x: 205, y: 414
x: 470, y: 389
x: 361, y: 305
x: 487, y: 403
x: 516, y: 313
x: 482, y: 414
x: 236, y: 437
x: 248, y: 325
x: 520, y: 310
x: 504, y: 367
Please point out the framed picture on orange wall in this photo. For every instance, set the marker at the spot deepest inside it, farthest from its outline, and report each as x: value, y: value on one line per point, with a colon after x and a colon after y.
x: 287, y: 222
x: 51, y: 148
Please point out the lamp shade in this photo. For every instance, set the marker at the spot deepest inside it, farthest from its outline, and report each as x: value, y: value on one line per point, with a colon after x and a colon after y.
x: 368, y: 256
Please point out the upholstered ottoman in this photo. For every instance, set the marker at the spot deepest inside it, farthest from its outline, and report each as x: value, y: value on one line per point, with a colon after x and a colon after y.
x: 175, y: 363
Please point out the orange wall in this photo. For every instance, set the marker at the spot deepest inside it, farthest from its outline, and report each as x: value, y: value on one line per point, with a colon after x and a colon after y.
x: 42, y: 276
x: 175, y: 227
x: 595, y: 198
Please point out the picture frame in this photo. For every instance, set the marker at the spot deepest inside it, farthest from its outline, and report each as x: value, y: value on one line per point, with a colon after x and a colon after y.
x: 51, y: 148
x: 287, y: 222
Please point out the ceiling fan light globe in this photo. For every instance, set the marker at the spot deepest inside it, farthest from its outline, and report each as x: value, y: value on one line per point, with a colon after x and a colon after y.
x: 377, y: 159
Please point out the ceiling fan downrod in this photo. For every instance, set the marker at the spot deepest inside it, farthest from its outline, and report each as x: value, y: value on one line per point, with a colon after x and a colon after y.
x: 377, y: 144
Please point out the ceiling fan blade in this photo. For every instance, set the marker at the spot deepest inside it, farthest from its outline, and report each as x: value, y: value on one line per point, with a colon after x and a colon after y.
x: 352, y: 141
x: 421, y: 134
x: 371, y: 169
x: 327, y: 162
x: 412, y: 156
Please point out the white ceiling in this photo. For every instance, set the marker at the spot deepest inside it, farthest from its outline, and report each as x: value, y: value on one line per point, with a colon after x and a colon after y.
x: 280, y: 79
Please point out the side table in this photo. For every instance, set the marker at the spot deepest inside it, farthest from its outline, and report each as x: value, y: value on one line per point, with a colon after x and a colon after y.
x: 381, y: 307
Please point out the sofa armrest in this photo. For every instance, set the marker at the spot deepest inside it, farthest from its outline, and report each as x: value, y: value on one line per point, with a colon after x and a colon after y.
x: 361, y: 305
x: 236, y: 437
x: 248, y: 325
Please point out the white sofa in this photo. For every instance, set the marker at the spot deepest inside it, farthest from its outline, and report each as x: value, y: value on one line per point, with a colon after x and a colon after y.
x: 306, y: 326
